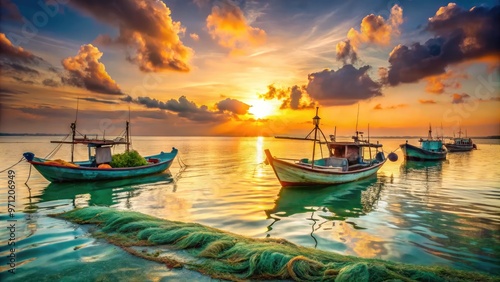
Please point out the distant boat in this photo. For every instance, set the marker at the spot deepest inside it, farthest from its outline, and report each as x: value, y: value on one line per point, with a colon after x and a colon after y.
x: 430, y: 149
x: 347, y: 162
x: 460, y: 144
x: 96, y: 167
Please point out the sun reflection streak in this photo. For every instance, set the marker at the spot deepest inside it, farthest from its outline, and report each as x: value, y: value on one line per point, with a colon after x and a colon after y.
x: 259, y: 156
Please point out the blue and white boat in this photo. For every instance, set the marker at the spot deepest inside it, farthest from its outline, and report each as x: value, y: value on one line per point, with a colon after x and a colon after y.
x: 431, y: 149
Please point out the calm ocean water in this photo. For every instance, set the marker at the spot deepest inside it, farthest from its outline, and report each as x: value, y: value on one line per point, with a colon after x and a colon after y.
x: 445, y: 213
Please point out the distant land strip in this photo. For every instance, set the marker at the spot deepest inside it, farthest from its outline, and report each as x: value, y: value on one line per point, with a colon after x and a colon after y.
x: 384, y: 137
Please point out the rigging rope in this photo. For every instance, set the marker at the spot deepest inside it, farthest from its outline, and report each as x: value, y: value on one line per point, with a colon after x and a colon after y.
x: 54, y: 151
x: 22, y: 158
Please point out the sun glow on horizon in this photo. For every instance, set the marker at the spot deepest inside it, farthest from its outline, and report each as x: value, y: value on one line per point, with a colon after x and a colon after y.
x: 261, y: 109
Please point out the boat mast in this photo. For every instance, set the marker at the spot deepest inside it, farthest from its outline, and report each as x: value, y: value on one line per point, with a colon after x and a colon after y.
x: 430, y: 132
x: 369, y: 144
x: 357, y: 119
x: 73, y: 130
x: 127, y: 136
x: 316, y: 127
x: 127, y: 131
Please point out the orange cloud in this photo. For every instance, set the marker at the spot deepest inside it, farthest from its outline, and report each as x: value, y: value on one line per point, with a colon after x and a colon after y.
x: 294, y: 97
x: 379, y: 107
x: 375, y: 29
x: 427, y: 101
x: 9, y: 50
x: 459, y: 98
x: 145, y: 26
x: 229, y: 27
x: 194, y: 36
x: 437, y: 84
x: 85, y: 71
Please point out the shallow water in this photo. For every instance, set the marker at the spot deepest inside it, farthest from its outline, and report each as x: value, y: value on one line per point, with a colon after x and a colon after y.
x: 438, y: 213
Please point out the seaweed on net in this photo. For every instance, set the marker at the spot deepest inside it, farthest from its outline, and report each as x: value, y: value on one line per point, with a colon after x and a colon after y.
x: 234, y: 257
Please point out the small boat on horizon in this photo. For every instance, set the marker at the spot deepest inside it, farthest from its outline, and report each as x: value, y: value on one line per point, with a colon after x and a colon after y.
x: 460, y: 144
x: 347, y: 161
x: 431, y: 149
x: 97, y: 167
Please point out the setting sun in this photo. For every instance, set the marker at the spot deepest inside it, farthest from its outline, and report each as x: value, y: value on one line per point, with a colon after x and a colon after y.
x: 260, y: 108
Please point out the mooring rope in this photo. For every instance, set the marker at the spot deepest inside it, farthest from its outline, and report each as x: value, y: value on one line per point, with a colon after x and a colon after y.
x: 181, y: 162
x: 22, y: 158
x: 29, y: 174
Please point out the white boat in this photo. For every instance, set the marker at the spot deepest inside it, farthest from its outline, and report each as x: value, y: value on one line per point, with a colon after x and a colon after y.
x: 347, y: 162
x: 460, y: 144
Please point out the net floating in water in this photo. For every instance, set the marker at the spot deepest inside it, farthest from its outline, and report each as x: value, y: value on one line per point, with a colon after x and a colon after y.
x: 233, y: 257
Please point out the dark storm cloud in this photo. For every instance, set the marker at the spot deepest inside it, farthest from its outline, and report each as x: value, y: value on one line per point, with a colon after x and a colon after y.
x: 346, y: 52
x: 50, y: 82
x: 295, y: 97
x: 99, y: 101
x: 9, y: 92
x: 233, y: 106
x: 8, y: 50
x: 461, y: 35
x: 22, y: 65
x: 20, y: 68
x: 146, y: 27
x: 183, y: 107
x: 22, y: 80
x: 9, y: 11
x: 345, y: 86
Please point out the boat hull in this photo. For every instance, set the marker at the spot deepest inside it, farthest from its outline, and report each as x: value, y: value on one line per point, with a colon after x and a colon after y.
x: 60, y: 173
x: 459, y: 148
x: 414, y: 153
x: 290, y: 174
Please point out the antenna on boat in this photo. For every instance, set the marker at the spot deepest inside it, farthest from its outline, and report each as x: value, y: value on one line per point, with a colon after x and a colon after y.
x: 357, y: 119
x: 368, y: 133
x: 73, y: 130
x: 76, y: 115
x: 430, y: 132
x: 127, y: 131
x: 316, y: 127
x: 369, y: 145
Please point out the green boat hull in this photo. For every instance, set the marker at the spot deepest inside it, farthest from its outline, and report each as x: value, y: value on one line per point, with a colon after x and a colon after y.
x: 60, y: 173
x: 414, y: 153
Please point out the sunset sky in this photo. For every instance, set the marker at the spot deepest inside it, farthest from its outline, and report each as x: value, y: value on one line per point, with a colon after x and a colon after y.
x: 249, y: 68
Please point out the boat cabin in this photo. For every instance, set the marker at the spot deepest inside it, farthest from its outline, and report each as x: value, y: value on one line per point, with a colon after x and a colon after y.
x: 99, y: 150
x: 431, y: 145
x: 356, y: 153
x: 462, y: 141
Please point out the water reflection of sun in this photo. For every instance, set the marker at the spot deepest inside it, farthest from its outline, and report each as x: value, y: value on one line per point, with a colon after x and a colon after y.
x: 260, y: 108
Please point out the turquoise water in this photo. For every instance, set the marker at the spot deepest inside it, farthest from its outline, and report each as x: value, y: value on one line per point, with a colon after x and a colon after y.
x: 444, y: 213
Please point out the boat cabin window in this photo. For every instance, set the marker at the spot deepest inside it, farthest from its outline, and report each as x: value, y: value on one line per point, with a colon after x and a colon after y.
x: 351, y: 153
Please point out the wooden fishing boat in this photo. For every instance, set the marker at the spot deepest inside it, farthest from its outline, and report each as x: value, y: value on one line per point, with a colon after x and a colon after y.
x: 430, y: 149
x: 347, y: 162
x: 97, y: 167
x: 460, y: 144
